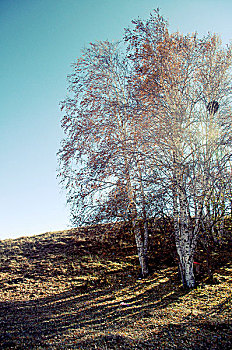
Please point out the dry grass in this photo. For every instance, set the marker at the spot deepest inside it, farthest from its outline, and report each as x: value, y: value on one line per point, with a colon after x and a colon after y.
x: 77, y: 290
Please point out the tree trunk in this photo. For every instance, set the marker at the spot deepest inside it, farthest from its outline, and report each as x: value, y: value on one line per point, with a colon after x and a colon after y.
x: 184, y: 240
x: 186, y: 265
x: 141, y: 240
x: 141, y: 248
x: 146, y: 237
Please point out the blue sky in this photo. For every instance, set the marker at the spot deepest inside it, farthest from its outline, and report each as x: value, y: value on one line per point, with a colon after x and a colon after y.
x: 39, y: 39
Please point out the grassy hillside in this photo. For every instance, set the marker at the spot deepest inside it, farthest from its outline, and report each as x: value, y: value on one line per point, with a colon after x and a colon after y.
x: 79, y: 289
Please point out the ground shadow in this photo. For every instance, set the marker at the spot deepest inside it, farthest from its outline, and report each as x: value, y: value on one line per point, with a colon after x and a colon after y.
x: 85, y: 320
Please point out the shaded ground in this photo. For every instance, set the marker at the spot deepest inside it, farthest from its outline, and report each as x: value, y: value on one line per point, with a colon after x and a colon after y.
x: 72, y: 290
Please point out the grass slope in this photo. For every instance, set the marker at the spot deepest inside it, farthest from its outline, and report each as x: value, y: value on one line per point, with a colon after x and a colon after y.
x: 79, y: 289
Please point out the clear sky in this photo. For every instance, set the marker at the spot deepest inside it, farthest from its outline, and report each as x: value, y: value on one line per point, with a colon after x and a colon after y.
x: 39, y: 39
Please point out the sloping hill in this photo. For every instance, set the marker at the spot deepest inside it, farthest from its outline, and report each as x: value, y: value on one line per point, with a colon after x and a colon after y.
x: 79, y: 289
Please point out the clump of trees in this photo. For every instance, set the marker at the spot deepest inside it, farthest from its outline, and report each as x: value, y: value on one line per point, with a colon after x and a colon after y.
x: 147, y: 126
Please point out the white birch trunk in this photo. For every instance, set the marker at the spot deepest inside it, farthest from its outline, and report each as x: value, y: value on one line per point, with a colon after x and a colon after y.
x: 185, y: 255
x: 141, y: 249
x: 141, y: 242
x: 184, y: 237
x: 146, y: 237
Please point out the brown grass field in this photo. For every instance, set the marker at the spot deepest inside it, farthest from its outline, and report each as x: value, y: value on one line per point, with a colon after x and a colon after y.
x: 79, y: 289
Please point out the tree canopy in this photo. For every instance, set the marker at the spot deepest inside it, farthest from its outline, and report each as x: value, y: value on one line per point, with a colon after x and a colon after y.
x: 148, y: 132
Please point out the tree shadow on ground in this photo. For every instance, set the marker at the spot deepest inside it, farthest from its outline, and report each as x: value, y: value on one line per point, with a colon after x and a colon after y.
x: 98, y: 316
x: 101, y: 316
x: 36, y: 321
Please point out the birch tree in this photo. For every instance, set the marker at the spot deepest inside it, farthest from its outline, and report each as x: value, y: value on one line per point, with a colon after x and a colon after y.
x: 99, y: 163
x: 180, y: 78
